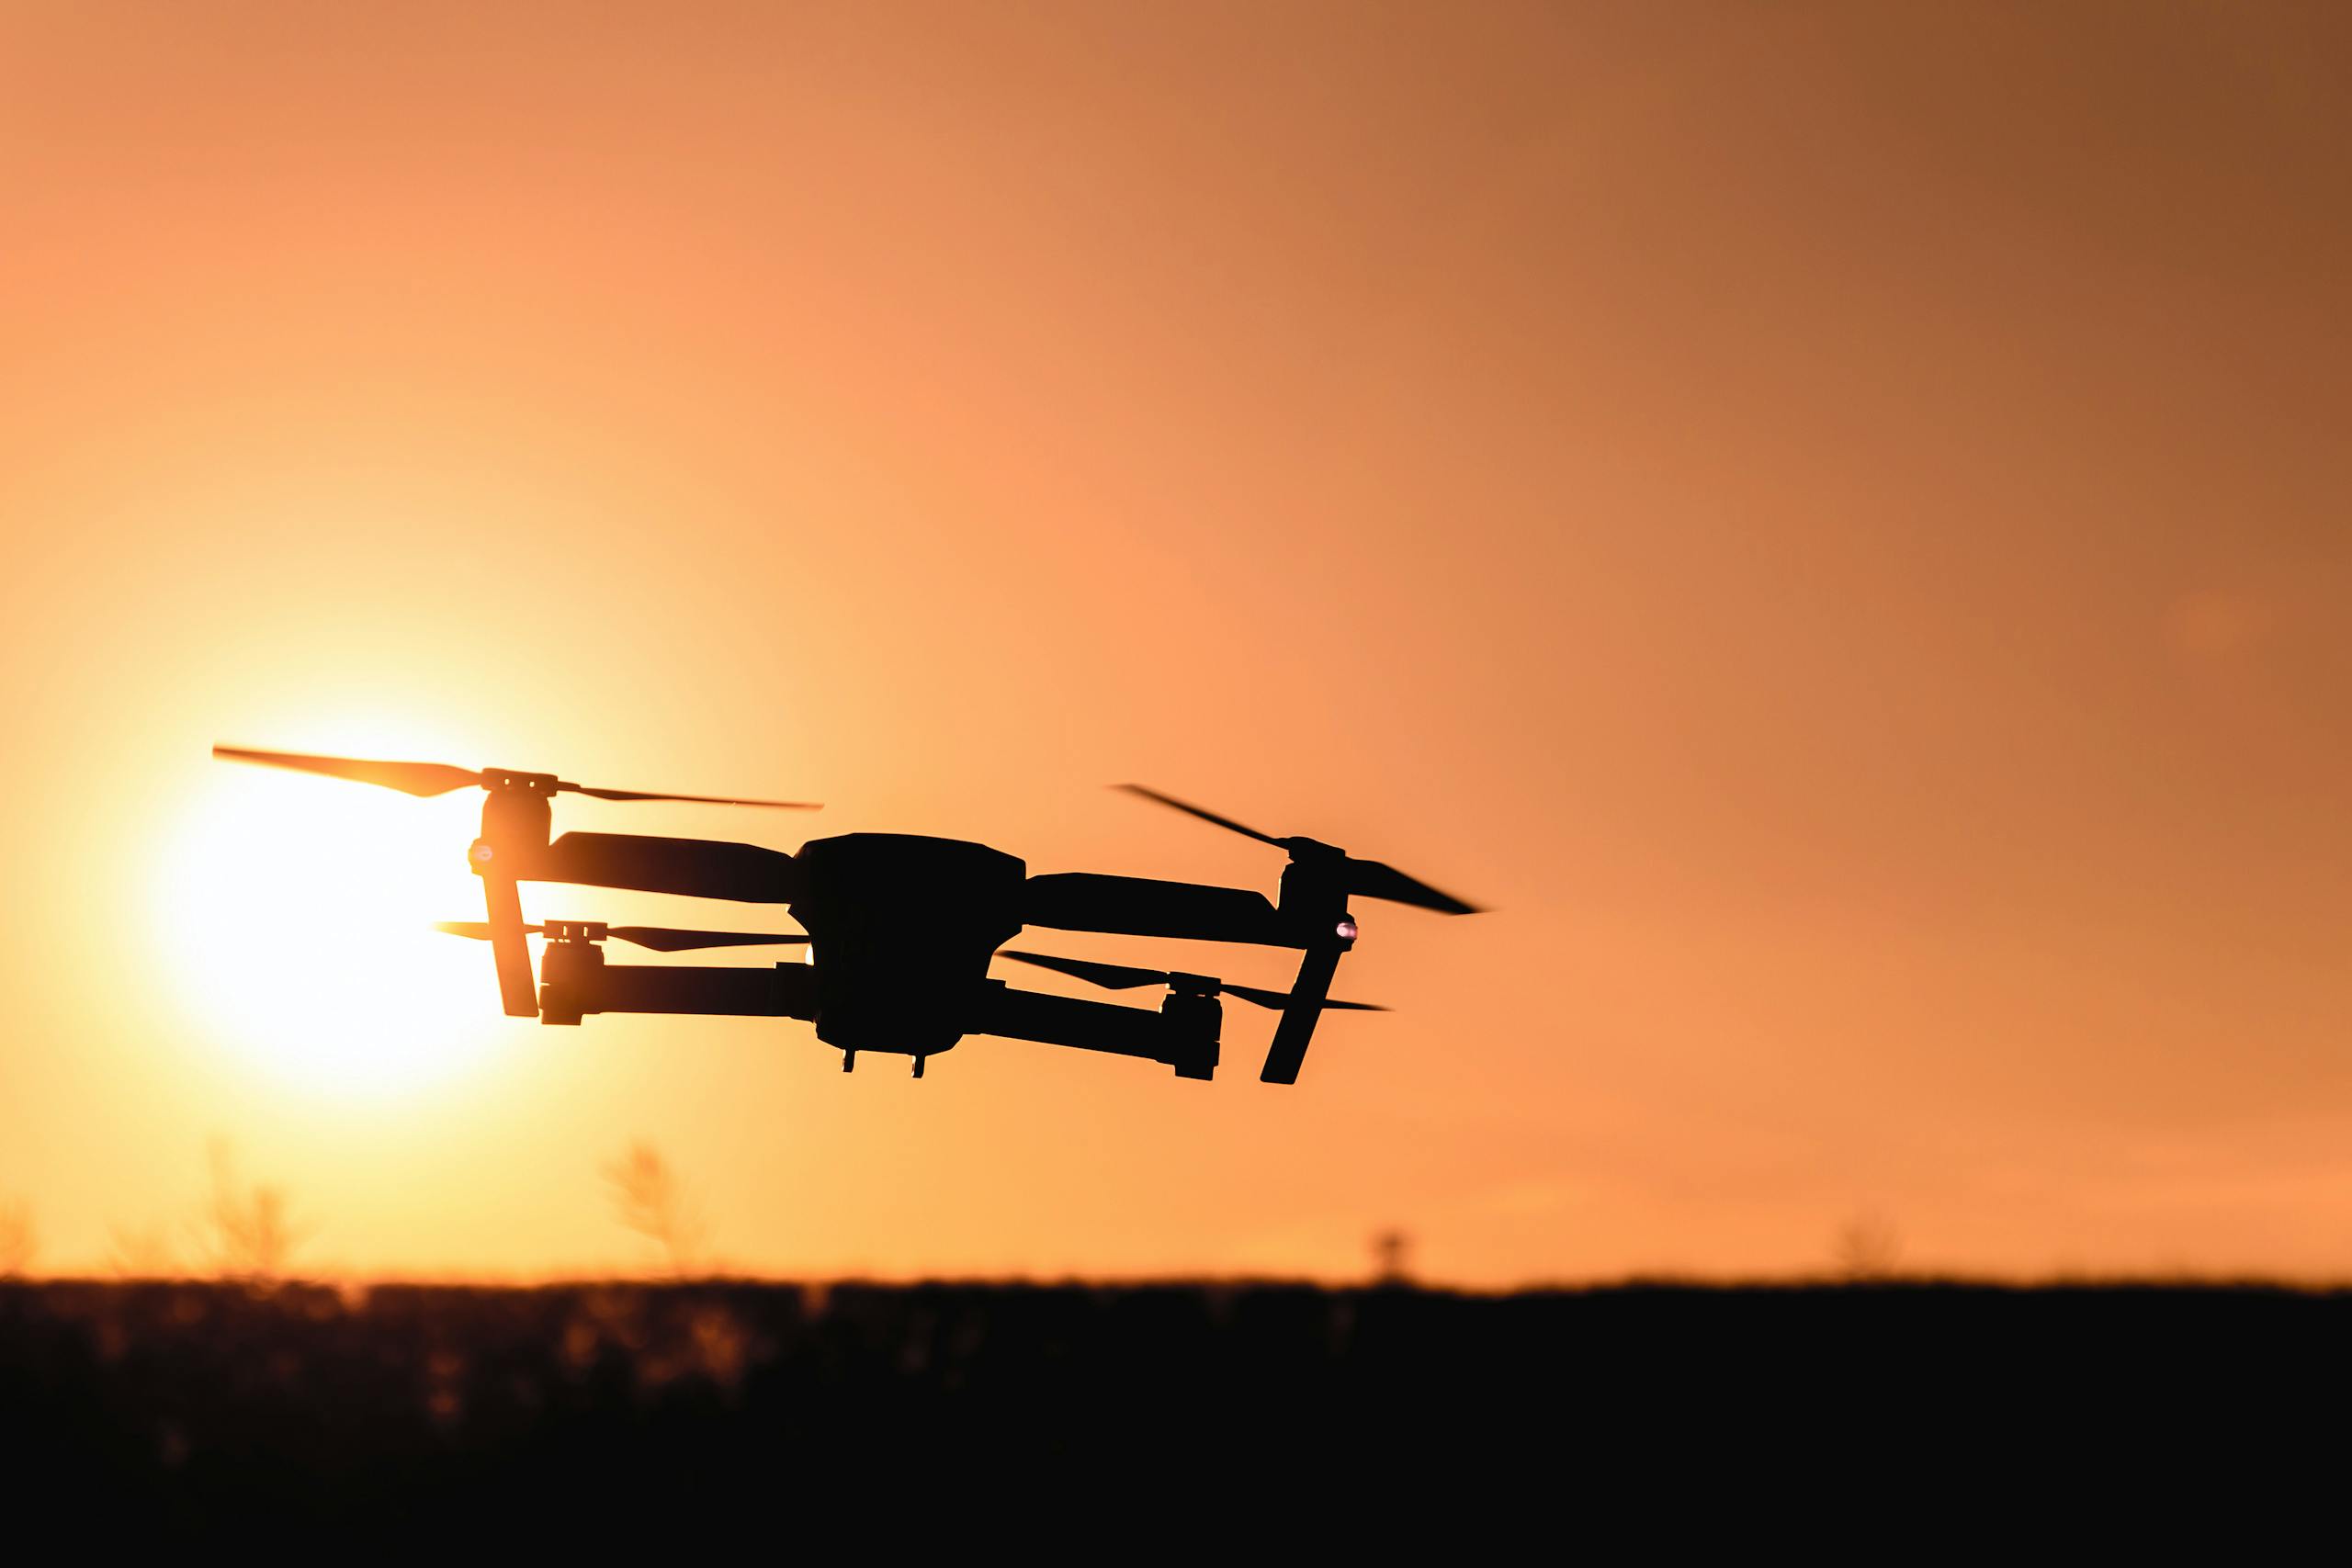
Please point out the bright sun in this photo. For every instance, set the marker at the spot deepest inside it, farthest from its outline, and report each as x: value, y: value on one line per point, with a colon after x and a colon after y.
x: 298, y: 913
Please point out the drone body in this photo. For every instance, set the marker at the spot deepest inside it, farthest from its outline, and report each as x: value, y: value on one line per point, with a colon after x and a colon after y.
x: 899, y: 929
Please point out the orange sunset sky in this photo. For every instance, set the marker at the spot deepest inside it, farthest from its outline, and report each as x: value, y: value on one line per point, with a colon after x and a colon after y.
x: 1828, y: 517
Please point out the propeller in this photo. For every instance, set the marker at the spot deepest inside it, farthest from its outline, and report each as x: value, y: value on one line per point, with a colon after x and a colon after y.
x: 1373, y: 879
x: 440, y: 778
x: 1121, y: 976
x: 661, y: 938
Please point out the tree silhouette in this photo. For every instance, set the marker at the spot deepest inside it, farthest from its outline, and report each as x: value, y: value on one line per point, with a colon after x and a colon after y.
x: 1866, y: 1247
x: 649, y: 1199
x: 19, y: 1238
x: 245, y: 1231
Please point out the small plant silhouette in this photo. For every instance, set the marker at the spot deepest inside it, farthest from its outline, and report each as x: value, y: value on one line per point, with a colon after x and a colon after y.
x: 1867, y: 1247
x: 246, y: 1232
x: 19, y: 1238
x: 1392, y: 1258
x: 649, y: 1199
x: 142, y: 1252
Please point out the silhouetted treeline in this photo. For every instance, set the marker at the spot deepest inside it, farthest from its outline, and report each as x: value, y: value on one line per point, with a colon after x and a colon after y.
x: 602, y: 1411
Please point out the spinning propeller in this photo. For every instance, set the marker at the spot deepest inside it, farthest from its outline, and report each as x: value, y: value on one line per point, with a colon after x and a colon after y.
x: 661, y: 938
x: 440, y: 778
x: 514, y: 847
x: 1373, y: 879
x: 1122, y: 977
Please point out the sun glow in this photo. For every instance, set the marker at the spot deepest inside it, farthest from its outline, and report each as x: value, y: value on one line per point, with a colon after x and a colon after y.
x: 299, y: 914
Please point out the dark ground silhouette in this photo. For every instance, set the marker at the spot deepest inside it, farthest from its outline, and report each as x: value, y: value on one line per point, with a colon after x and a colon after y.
x: 606, y: 1411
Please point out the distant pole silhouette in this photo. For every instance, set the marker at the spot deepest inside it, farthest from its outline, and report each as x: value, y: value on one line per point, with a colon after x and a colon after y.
x: 1392, y: 1252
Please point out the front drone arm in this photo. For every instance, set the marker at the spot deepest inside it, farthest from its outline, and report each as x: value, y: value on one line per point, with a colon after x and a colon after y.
x: 697, y: 868
x: 514, y: 847
x: 1140, y: 906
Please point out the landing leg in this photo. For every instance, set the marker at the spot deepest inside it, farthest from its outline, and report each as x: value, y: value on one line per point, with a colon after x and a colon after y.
x: 849, y: 1061
x: 512, y: 956
x: 1297, y: 1027
x: 919, y: 1061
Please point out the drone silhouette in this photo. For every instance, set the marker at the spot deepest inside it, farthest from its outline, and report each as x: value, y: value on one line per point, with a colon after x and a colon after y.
x: 899, y: 929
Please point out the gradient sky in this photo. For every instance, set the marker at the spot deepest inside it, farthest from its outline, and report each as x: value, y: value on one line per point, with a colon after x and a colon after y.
x: 1830, y: 517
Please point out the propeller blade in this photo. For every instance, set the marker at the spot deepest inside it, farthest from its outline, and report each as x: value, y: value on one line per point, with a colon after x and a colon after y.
x: 1122, y: 977
x: 1281, y: 999
x: 477, y: 929
x: 1110, y: 976
x: 1377, y: 879
x: 1373, y: 879
x: 1227, y: 823
x: 696, y: 799
x: 440, y: 778
x: 410, y: 778
x: 661, y: 938
x: 666, y: 939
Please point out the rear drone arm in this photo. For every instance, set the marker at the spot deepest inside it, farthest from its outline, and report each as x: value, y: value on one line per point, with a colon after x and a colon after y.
x: 1183, y: 1035
x: 578, y: 986
x: 697, y: 868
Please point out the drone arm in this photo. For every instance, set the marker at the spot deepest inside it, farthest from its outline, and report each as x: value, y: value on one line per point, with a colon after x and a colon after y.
x: 699, y: 868
x: 1137, y: 906
x: 784, y: 990
x: 1090, y: 1026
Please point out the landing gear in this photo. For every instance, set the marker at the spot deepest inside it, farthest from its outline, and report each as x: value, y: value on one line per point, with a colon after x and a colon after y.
x: 918, y: 1062
x: 849, y: 1061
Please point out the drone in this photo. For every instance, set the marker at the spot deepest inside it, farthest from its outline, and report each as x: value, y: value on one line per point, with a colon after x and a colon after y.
x: 898, y: 930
